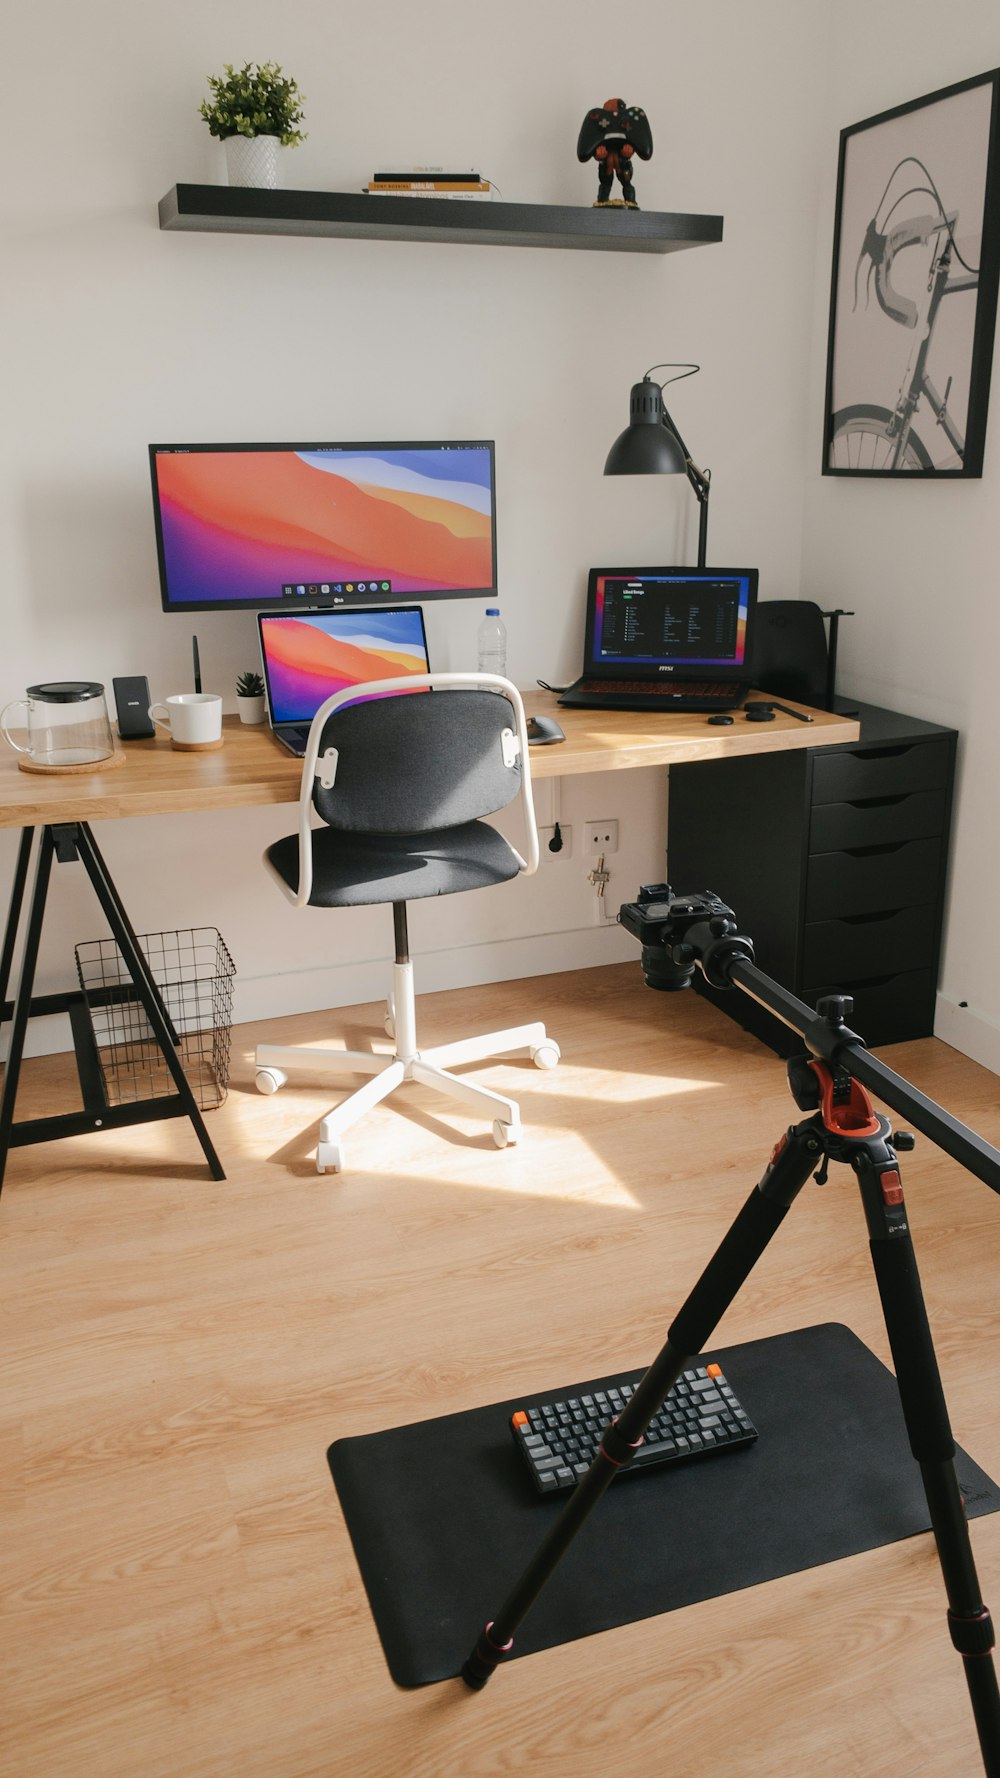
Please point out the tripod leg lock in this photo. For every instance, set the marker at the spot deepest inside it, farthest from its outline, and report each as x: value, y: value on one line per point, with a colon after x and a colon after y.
x: 616, y: 1448
x: 485, y: 1659
x: 972, y: 1635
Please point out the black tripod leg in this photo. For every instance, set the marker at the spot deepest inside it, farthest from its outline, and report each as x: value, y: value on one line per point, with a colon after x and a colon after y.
x: 86, y: 833
x: 152, y: 1004
x: 793, y: 1160
x: 25, y: 986
x: 929, y: 1432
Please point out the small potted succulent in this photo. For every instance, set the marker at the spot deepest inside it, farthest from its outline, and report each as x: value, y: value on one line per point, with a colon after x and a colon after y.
x: 250, y: 697
x: 253, y: 110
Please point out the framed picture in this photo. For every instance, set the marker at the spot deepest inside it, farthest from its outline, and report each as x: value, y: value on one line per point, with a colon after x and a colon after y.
x: 913, y: 305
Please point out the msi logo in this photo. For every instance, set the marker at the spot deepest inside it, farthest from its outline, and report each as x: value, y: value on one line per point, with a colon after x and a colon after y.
x: 662, y: 669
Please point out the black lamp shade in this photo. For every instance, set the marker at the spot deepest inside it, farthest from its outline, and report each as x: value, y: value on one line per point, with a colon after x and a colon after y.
x: 647, y: 446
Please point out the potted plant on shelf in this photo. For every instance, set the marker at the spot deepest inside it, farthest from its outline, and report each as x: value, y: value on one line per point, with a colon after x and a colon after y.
x: 250, y: 697
x: 253, y: 110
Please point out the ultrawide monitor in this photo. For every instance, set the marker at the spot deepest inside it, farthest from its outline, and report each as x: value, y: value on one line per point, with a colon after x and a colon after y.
x: 322, y: 524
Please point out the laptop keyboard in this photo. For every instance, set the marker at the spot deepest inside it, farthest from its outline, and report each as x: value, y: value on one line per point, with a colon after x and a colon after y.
x: 652, y: 688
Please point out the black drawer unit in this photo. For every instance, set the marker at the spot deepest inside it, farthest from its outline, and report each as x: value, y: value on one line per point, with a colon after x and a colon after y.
x: 834, y: 861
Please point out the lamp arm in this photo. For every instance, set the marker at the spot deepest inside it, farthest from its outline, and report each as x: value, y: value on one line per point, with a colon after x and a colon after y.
x: 701, y: 482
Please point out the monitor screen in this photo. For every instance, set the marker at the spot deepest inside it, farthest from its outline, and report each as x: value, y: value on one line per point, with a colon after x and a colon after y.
x: 322, y: 524
x: 670, y: 619
x: 309, y: 655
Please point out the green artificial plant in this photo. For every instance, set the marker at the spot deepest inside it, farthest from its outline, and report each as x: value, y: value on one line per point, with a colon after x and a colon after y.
x: 255, y: 100
x: 249, y: 685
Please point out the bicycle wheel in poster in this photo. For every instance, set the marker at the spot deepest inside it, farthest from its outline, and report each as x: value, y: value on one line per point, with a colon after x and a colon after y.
x: 860, y: 439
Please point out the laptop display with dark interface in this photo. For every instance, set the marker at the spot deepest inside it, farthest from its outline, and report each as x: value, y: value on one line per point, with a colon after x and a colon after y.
x: 676, y: 636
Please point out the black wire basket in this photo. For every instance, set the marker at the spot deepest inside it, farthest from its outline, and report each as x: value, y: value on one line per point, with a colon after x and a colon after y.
x: 194, y: 975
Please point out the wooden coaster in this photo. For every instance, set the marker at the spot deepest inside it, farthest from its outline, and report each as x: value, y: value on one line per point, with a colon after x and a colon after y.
x: 196, y: 746
x: 110, y: 764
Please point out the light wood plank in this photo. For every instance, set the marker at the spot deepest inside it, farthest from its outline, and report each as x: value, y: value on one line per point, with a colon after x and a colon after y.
x: 251, y: 769
x: 182, y: 1598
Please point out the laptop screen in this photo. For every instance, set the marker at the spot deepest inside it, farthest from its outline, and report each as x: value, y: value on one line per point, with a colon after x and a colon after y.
x: 310, y: 656
x: 657, y: 623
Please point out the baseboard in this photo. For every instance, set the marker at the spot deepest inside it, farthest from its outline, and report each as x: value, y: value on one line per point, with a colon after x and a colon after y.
x: 972, y: 1033
x: 274, y: 996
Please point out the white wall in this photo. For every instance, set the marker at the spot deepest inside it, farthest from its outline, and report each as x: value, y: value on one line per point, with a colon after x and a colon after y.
x: 118, y: 334
x: 916, y: 561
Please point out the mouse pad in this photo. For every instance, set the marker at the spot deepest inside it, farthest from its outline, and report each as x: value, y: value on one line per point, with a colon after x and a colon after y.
x: 444, y: 1517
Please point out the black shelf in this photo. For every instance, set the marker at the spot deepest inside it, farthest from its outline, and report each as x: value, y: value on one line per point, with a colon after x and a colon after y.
x: 244, y: 210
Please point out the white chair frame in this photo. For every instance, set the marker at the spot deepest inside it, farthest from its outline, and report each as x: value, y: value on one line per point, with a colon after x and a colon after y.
x: 432, y: 1068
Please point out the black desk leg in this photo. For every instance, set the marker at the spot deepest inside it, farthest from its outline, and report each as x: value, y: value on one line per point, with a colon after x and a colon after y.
x: 153, y: 1006
x: 83, y: 833
x: 26, y: 982
x: 14, y: 909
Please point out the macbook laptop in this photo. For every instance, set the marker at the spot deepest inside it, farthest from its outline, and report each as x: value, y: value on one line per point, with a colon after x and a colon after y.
x: 666, y: 639
x: 309, y: 656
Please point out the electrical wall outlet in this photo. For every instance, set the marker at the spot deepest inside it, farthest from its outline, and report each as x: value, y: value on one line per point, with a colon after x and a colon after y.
x: 546, y: 835
x: 600, y: 836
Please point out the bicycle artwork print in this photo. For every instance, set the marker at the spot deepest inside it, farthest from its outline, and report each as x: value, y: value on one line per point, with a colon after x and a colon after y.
x: 913, y: 303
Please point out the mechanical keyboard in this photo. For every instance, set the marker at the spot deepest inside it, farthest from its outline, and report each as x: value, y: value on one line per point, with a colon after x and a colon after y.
x: 558, y: 1439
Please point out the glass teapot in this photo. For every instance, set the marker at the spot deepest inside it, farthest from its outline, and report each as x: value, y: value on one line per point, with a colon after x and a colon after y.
x: 66, y: 724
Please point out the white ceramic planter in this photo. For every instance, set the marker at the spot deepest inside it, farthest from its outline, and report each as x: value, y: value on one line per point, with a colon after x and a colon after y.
x: 251, y: 709
x: 253, y: 160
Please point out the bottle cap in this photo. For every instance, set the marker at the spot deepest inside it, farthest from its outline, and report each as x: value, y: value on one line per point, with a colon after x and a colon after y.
x: 493, y: 611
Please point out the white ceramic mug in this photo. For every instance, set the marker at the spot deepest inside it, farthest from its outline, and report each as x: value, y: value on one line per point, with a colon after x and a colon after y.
x: 191, y: 719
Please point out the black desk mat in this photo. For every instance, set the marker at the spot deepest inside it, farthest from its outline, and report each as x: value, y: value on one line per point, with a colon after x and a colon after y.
x: 443, y: 1515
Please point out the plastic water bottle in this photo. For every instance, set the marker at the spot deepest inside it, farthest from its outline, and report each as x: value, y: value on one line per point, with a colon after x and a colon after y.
x: 491, y: 643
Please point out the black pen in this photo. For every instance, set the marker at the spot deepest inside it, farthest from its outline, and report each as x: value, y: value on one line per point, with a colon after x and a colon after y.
x: 784, y: 708
x: 197, y: 663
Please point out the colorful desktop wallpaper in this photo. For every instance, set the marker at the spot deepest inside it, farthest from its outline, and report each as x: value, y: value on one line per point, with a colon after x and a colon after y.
x: 307, y: 659
x: 240, y: 524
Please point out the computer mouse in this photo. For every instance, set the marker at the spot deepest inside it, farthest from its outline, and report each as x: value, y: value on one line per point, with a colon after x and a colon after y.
x: 719, y: 721
x: 758, y: 713
x: 542, y: 730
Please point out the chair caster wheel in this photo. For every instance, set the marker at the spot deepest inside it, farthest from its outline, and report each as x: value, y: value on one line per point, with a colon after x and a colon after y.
x: 504, y: 1134
x: 329, y: 1157
x: 547, y: 1054
x: 268, y: 1080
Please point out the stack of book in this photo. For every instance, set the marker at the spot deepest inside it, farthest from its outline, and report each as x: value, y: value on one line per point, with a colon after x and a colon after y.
x: 429, y: 182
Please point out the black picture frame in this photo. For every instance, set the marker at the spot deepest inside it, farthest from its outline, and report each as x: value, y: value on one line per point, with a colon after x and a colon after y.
x: 913, y: 299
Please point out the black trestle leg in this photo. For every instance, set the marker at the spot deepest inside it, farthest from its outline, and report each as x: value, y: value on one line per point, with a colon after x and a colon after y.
x: 26, y: 982
x: 793, y: 1160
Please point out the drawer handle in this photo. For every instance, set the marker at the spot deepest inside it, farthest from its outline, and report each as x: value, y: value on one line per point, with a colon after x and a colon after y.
x: 883, y: 753
x: 869, y: 919
x: 878, y: 802
x: 874, y: 851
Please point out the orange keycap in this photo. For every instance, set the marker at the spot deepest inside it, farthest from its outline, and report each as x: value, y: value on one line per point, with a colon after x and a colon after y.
x: 714, y: 1370
x: 520, y: 1418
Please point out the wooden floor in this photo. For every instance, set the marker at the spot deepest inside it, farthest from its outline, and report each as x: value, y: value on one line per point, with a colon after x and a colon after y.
x: 180, y: 1595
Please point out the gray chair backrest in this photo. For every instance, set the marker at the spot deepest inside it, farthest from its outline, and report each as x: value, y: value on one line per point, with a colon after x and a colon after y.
x: 419, y: 761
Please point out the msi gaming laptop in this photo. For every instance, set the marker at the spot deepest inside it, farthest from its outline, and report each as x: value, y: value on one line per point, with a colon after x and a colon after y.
x: 666, y: 639
x: 309, y: 655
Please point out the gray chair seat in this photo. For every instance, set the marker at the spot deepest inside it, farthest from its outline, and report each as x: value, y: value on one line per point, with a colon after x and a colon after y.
x: 357, y: 870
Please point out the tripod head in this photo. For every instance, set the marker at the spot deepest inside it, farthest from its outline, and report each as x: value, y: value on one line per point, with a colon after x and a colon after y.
x: 682, y: 933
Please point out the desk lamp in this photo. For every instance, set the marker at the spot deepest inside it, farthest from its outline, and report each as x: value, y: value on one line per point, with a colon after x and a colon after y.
x: 652, y: 445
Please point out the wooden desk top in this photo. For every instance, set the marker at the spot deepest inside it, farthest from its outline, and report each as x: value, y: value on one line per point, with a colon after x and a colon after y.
x: 251, y: 769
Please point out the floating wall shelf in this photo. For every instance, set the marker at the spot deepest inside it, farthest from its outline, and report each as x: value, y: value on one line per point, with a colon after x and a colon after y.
x: 242, y: 210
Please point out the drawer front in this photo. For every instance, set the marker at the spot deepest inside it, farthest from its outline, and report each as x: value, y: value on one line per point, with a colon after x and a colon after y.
x: 872, y: 944
x: 916, y: 815
x: 842, y: 883
x: 889, y: 1008
x: 880, y: 771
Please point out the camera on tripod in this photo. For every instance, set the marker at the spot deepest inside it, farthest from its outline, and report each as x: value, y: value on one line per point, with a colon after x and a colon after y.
x: 681, y: 932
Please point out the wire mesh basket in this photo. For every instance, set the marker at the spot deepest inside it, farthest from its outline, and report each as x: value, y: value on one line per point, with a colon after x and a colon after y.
x: 194, y: 974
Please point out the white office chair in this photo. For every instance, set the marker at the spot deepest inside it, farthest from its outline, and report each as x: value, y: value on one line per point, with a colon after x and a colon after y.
x: 401, y: 785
